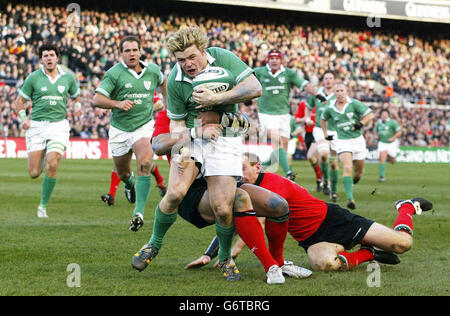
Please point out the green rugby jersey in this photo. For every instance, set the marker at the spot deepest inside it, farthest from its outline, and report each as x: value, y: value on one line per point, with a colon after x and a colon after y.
x: 386, y: 130
x: 276, y: 89
x: 49, y: 96
x: 312, y: 102
x: 121, y: 83
x: 344, y: 119
x: 180, y: 104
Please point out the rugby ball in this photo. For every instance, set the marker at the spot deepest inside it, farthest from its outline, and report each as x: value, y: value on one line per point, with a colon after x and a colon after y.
x: 217, y: 79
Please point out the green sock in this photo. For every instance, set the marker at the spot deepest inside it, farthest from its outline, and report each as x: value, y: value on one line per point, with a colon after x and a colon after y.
x: 161, y: 225
x: 225, y: 236
x: 130, y: 181
x: 143, y: 185
x: 334, y: 175
x: 47, y: 189
x: 347, y: 182
x: 283, y: 160
x: 272, y: 159
x: 382, y: 169
x: 324, y: 168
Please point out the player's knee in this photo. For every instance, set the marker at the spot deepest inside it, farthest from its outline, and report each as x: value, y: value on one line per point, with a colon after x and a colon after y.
x: 403, y: 244
x: 145, y: 165
x: 242, y: 201
x: 279, y: 206
x: 52, y: 165
x: 34, y: 173
x: 174, y: 196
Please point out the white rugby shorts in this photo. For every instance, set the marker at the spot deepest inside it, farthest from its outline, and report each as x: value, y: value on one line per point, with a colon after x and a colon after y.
x: 42, y: 133
x: 356, y: 146
x: 222, y: 157
x: 121, y: 142
x: 391, y: 148
x: 282, y: 123
x: 318, y: 136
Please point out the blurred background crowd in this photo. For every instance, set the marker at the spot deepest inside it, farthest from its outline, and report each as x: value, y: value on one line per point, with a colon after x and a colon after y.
x: 407, y: 74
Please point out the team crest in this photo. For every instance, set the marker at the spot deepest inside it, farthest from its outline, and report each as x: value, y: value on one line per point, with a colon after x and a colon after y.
x: 350, y: 115
x: 147, y: 84
x: 61, y: 89
x: 282, y: 79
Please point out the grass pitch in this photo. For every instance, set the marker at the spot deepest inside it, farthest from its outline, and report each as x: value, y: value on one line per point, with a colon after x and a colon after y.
x: 35, y: 254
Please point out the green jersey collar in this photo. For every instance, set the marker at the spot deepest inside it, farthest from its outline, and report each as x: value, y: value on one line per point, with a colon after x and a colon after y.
x: 61, y: 73
x: 181, y: 76
x: 282, y: 69
x: 334, y: 106
x: 143, y: 65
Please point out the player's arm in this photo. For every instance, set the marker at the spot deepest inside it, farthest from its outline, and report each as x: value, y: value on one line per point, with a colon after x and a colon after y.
x: 20, y: 103
x: 163, y: 143
x: 244, y: 91
x: 366, y: 119
x: 105, y: 102
x: 397, y: 134
x: 323, y: 125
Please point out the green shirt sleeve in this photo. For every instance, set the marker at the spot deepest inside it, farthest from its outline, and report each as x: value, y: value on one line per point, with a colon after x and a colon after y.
x: 26, y: 89
x: 107, y: 85
x: 176, y: 107
x: 311, y: 102
x: 361, y: 108
x: 297, y: 80
x: 231, y: 62
x: 74, y: 89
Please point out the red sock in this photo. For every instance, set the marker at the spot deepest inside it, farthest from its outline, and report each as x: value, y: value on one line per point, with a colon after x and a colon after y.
x: 156, y: 174
x: 249, y: 229
x: 356, y: 258
x: 276, y: 235
x: 318, y: 172
x: 404, y: 219
x: 114, y: 183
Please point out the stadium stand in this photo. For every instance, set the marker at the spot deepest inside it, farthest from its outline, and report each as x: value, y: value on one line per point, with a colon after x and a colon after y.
x: 407, y: 73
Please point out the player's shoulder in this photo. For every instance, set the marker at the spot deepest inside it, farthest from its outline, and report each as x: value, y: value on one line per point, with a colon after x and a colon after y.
x: 35, y: 74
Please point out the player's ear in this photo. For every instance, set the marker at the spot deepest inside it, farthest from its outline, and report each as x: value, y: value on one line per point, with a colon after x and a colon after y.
x: 258, y: 167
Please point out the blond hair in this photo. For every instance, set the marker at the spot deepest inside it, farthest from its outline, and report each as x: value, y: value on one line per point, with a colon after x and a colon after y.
x: 186, y: 37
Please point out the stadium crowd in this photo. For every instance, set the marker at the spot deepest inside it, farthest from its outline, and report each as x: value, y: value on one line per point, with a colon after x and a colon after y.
x: 383, y: 70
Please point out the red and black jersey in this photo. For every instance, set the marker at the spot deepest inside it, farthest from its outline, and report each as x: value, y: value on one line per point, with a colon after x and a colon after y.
x: 162, y: 126
x: 306, y: 211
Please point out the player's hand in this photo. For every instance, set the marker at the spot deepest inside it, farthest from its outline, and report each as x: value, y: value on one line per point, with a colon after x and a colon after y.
x: 125, y: 105
x: 182, y: 159
x: 205, y: 98
x: 198, y: 263
x: 357, y: 126
x: 211, y: 131
x: 309, y: 122
x: 26, y: 124
x: 209, y: 117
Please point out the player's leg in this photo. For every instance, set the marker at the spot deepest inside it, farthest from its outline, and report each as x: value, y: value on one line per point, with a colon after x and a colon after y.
x: 159, y: 179
x: 113, y: 185
x: 334, y: 175
x: 36, y: 163
x: 182, y: 174
x: 323, y: 256
x: 382, y: 166
x: 346, y: 159
x: 358, y: 169
x: 122, y: 163
x: 221, y: 195
x: 314, y: 159
x: 51, y: 162
x: 144, y: 159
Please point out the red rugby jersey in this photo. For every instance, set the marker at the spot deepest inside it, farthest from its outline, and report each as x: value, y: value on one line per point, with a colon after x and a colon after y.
x: 162, y: 126
x: 306, y: 211
x: 301, y: 113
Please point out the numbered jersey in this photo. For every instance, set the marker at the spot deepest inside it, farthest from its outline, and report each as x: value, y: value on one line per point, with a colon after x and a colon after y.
x: 121, y: 83
x: 345, y: 119
x: 276, y: 89
x: 49, y: 96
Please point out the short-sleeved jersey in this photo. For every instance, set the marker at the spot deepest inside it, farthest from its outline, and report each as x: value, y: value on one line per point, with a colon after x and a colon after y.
x: 345, y: 119
x: 301, y: 114
x: 276, y: 89
x: 306, y: 211
x: 314, y: 103
x: 180, y: 104
x: 121, y: 83
x: 49, y: 96
x: 386, y: 130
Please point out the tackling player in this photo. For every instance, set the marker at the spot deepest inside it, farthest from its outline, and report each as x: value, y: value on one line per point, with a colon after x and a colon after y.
x: 327, y: 231
x: 47, y: 130
x: 348, y: 116
x: 128, y: 89
x: 274, y: 108
x: 388, y: 132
